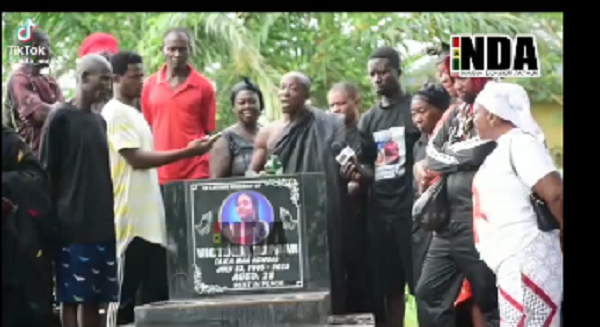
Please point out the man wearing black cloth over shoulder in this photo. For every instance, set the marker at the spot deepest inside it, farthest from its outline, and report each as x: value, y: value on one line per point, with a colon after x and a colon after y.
x: 386, y: 167
x: 74, y: 151
x: 304, y: 142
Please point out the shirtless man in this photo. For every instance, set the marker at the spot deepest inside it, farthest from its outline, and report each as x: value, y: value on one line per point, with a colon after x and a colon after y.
x: 294, y: 91
x: 304, y: 140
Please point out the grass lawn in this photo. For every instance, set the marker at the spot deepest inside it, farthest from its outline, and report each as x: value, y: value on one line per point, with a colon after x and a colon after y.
x: 410, y: 316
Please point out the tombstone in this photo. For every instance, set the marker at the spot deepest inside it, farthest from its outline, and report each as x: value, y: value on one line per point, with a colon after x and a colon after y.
x: 245, y: 252
x: 364, y: 319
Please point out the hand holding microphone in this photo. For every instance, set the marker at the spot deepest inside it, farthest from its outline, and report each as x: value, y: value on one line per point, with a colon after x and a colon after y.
x: 347, y: 160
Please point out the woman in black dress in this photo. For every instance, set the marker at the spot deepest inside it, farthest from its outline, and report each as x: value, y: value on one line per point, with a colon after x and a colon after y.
x: 232, y: 153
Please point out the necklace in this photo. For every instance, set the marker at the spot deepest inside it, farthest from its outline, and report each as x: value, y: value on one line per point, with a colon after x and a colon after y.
x: 465, y: 124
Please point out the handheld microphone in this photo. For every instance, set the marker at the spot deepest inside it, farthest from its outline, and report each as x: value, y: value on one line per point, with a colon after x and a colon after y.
x: 343, y: 154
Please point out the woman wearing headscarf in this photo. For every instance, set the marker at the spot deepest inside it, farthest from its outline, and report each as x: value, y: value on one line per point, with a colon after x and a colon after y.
x: 232, y: 153
x: 427, y: 106
x: 27, y: 236
x: 105, y: 45
x: 529, y: 264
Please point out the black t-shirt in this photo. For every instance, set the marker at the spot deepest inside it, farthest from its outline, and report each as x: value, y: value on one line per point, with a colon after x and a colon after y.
x: 353, y: 139
x: 74, y: 151
x: 389, y: 136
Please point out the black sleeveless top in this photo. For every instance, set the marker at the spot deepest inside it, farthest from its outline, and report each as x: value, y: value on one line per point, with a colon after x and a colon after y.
x: 240, y: 152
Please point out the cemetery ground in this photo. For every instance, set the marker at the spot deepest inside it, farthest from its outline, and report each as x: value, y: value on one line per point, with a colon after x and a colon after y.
x: 410, y: 315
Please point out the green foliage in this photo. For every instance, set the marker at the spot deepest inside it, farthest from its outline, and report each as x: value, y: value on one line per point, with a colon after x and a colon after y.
x: 328, y: 47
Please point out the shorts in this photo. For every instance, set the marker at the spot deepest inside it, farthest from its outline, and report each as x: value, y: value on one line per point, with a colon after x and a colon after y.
x: 87, y: 273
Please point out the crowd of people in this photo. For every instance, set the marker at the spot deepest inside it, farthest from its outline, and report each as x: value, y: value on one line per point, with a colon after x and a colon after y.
x: 450, y: 193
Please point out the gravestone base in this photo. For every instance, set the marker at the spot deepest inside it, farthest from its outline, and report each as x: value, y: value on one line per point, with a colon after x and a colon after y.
x: 264, y: 310
x: 361, y: 319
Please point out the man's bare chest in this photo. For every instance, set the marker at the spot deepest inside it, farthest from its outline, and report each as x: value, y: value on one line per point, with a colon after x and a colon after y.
x: 274, y: 137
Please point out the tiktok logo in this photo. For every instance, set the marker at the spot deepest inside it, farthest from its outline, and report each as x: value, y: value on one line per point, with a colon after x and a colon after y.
x: 25, y: 31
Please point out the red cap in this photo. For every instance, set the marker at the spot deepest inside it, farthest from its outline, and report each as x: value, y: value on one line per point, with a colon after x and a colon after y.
x: 97, y: 43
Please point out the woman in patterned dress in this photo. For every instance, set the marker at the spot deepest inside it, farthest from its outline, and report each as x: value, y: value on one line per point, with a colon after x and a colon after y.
x: 232, y: 153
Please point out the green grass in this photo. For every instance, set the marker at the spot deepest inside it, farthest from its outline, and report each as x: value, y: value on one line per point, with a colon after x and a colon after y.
x: 410, y: 316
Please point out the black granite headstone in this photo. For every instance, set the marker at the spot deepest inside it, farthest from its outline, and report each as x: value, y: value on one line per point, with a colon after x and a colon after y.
x: 264, y: 253
x: 245, y: 252
x: 262, y: 235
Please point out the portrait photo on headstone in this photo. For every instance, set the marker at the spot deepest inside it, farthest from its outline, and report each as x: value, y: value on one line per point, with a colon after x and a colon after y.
x: 246, y: 218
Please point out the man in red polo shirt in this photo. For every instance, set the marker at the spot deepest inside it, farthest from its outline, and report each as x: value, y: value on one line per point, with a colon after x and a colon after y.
x: 180, y: 106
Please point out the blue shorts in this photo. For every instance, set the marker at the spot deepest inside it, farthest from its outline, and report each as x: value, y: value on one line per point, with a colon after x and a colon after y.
x: 87, y: 273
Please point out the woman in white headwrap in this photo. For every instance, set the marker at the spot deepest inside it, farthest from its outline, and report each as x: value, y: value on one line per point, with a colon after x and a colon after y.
x: 527, y: 261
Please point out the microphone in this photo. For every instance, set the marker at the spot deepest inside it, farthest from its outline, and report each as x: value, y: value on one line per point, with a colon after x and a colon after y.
x: 343, y: 155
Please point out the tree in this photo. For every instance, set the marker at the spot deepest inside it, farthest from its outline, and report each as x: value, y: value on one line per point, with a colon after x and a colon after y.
x: 328, y: 47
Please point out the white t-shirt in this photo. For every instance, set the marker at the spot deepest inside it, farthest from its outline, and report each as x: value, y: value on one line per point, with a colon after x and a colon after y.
x: 503, y: 219
x: 139, y: 209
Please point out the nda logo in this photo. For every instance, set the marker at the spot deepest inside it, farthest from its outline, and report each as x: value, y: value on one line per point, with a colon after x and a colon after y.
x: 494, y: 56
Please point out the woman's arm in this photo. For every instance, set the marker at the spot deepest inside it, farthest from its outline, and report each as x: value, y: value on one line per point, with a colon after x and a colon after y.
x: 259, y: 156
x: 535, y: 168
x: 550, y: 189
x: 220, y: 159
